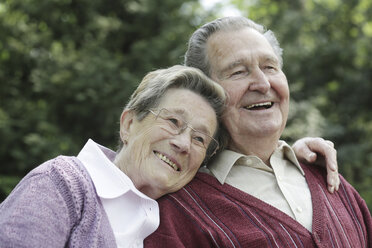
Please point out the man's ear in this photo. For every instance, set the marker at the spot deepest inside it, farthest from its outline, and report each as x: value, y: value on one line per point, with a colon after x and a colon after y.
x: 126, y: 120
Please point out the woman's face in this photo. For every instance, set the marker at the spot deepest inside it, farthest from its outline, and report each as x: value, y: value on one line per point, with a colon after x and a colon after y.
x: 156, y: 159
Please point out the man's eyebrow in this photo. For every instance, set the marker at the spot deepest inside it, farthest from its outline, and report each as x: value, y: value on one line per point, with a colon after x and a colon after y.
x: 231, y: 66
x: 242, y: 61
x: 234, y: 64
x: 270, y: 58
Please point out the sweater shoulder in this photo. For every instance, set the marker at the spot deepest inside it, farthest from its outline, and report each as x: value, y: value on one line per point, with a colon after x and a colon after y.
x: 66, y: 172
x: 68, y: 166
x: 71, y: 180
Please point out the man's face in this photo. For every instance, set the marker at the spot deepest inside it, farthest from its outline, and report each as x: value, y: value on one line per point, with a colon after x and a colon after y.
x: 245, y: 65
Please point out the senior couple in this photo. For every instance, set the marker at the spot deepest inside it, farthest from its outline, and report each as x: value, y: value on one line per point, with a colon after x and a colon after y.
x: 253, y: 193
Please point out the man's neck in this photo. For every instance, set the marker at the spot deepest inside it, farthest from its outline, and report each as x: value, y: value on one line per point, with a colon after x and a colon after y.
x: 262, y: 148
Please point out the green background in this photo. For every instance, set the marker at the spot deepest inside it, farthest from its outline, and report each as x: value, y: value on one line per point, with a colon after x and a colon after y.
x: 67, y: 68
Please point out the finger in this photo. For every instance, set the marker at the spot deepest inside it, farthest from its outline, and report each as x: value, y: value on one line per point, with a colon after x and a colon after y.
x: 337, y: 182
x: 332, y: 180
x: 330, y: 143
x: 327, y: 150
x: 306, y: 149
x: 303, y: 153
x: 331, y: 163
x: 311, y: 156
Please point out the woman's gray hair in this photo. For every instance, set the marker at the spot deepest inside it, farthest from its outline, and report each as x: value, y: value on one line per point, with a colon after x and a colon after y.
x: 155, y: 84
x: 196, y: 54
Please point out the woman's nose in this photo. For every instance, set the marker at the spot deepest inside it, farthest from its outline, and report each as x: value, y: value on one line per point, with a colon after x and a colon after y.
x: 182, y: 142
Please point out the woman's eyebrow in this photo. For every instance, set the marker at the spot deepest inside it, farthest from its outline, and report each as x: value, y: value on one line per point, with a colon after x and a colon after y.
x: 184, y: 114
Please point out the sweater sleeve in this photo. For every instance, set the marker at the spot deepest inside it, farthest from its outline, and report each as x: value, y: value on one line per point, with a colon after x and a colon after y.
x: 367, y: 220
x: 359, y: 210
x: 34, y: 214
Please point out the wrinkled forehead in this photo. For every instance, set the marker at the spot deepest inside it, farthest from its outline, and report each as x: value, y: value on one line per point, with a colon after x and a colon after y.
x: 225, y: 48
x: 246, y: 36
x: 192, y: 107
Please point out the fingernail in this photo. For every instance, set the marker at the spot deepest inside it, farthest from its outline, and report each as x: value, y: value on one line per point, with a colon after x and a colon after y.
x: 331, y: 189
x: 311, y: 156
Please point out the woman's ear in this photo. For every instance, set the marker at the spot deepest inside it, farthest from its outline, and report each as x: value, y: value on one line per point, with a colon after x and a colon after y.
x: 126, y: 120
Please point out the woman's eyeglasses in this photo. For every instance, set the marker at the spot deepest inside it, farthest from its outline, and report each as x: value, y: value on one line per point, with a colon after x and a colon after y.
x: 174, y: 124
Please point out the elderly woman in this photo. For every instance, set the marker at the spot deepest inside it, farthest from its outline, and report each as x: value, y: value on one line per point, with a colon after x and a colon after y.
x: 106, y: 199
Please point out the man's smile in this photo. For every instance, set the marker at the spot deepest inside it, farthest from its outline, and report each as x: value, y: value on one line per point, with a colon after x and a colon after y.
x: 259, y: 106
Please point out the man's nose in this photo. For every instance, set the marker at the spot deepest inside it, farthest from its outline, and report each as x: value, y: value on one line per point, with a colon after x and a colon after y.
x: 259, y: 81
x: 182, y: 142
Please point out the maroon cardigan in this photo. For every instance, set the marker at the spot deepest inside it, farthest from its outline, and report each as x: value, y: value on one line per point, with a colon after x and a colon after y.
x: 207, y: 214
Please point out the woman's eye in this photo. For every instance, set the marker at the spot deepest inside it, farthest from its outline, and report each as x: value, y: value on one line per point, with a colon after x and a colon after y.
x: 199, y: 139
x: 174, y: 121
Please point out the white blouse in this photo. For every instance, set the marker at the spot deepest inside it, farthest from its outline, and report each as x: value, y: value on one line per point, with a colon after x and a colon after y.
x: 133, y: 215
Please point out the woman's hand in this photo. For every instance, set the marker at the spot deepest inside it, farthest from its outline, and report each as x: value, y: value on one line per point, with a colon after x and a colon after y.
x: 321, y: 152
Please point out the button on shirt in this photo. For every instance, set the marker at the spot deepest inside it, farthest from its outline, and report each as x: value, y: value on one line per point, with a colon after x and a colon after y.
x: 132, y: 215
x: 282, y: 186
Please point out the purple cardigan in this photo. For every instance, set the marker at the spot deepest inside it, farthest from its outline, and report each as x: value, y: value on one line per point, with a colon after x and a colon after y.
x: 55, y: 205
x: 208, y: 214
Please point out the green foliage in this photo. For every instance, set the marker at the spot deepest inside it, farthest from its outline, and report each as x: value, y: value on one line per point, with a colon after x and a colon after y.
x: 327, y: 45
x: 67, y: 69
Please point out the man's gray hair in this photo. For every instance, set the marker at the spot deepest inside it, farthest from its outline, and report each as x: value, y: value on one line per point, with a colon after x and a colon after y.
x: 196, y: 54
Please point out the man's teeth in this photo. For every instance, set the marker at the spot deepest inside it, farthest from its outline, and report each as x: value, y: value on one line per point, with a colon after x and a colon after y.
x: 257, y: 105
x: 165, y: 159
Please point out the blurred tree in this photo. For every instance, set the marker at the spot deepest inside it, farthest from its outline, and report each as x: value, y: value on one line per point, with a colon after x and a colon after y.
x: 326, y: 59
x: 67, y: 68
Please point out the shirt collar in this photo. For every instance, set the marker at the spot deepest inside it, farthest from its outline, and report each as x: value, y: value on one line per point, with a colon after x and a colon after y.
x: 287, y: 151
x: 224, y: 161
x: 109, y: 180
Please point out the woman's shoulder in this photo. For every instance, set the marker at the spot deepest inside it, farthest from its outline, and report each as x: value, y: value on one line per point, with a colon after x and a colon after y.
x: 58, y: 195
x: 67, y: 175
x: 62, y: 167
x: 68, y: 167
x: 65, y: 170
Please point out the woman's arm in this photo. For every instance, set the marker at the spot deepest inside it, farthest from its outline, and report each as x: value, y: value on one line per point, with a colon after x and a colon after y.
x: 34, y: 214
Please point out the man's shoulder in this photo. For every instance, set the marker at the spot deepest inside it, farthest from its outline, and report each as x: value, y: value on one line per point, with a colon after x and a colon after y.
x: 203, y: 184
x: 316, y: 177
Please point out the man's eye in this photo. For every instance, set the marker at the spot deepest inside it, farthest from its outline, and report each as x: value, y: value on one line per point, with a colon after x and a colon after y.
x: 269, y: 67
x: 237, y: 73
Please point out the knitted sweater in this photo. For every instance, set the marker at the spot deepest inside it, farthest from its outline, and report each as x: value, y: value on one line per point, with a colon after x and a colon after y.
x: 55, y: 205
x: 207, y: 214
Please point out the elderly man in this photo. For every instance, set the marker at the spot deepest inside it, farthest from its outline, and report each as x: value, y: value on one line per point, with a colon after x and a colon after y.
x: 255, y: 193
